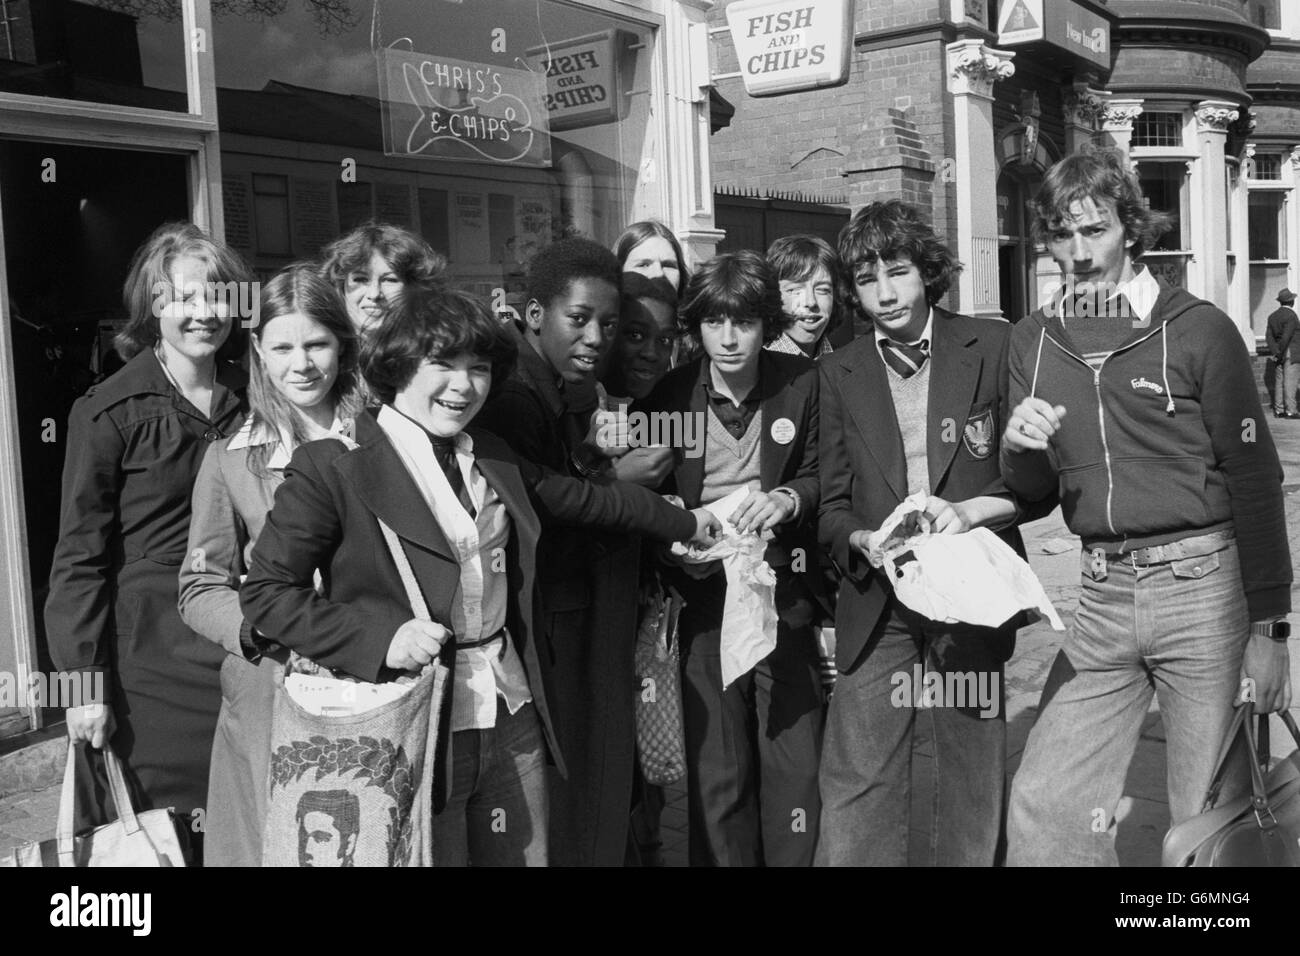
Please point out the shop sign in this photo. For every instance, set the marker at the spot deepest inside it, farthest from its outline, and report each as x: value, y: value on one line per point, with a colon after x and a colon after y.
x: 789, y: 45
x: 581, y: 80
x: 445, y: 108
x: 1021, y: 22
x: 1064, y: 24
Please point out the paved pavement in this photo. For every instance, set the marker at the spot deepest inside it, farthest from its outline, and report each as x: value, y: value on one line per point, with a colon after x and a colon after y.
x: 1143, y: 814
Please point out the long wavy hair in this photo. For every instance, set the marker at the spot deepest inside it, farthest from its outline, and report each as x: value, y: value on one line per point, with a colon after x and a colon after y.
x: 300, y: 288
x: 150, y: 275
x: 1100, y: 174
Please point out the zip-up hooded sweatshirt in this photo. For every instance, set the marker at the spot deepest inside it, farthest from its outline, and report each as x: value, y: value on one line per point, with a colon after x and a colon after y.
x: 1165, y: 440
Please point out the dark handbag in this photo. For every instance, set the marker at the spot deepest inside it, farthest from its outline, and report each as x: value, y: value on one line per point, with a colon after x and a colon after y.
x: 1258, y: 829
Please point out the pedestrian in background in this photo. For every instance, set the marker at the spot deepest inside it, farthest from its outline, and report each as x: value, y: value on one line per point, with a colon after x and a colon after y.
x: 1284, y: 346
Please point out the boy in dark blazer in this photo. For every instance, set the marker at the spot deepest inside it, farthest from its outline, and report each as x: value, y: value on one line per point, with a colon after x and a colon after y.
x: 915, y: 407
x: 752, y: 749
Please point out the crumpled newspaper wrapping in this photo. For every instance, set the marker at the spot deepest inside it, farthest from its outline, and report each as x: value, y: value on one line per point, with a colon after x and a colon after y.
x: 749, y: 613
x: 971, y: 578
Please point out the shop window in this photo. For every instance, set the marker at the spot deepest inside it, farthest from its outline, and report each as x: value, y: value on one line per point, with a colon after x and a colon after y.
x: 124, y: 52
x: 1266, y: 168
x: 271, y: 214
x: 434, y: 218
x: 491, y: 128
x: 1158, y: 129
x: 1267, y: 225
x: 356, y: 204
x: 1164, y: 184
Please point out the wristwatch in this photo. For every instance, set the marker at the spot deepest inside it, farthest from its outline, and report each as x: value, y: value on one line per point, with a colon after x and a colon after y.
x: 1274, y: 630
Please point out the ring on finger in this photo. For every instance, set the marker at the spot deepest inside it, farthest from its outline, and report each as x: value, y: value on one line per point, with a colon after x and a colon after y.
x: 1024, y: 429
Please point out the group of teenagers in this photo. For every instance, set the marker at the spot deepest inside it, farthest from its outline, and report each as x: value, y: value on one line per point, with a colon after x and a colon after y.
x: 223, y: 502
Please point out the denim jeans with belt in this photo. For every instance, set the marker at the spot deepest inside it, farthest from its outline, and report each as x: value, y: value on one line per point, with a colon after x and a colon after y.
x: 1177, y: 630
x: 497, y: 812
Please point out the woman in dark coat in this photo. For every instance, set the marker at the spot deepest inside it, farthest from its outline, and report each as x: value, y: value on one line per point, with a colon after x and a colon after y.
x: 134, y: 447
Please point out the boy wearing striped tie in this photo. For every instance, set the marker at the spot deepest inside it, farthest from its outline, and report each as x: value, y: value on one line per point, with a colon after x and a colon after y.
x: 915, y: 407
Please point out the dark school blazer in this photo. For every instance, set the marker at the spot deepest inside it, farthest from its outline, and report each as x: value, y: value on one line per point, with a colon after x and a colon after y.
x: 324, y: 517
x: 863, y: 468
x: 788, y: 390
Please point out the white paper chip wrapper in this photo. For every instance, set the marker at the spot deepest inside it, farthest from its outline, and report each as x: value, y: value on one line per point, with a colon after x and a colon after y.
x: 749, y: 619
x: 971, y: 578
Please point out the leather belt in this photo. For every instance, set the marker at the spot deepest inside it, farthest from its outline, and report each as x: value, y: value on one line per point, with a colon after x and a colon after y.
x: 503, y: 635
x: 1193, y: 547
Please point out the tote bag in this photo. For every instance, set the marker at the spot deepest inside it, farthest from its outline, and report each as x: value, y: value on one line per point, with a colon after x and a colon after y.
x: 356, y: 789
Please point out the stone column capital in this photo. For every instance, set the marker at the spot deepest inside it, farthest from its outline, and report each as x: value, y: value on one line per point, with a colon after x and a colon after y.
x: 1118, y: 115
x: 1085, y: 106
x: 1295, y: 156
x: 1215, y: 116
x: 973, y: 67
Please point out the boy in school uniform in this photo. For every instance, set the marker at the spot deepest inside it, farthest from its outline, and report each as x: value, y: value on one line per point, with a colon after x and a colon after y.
x: 752, y: 749
x: 915, y: 407
x: 570, y: 315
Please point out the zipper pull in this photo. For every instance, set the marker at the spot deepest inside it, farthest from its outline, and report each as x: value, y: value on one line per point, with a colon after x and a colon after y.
x: 1096, y: 376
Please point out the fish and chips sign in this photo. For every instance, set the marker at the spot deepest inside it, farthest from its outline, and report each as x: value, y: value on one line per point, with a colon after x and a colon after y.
x: 582, y: 80
x: 446, y: 108
x: 789, y: 45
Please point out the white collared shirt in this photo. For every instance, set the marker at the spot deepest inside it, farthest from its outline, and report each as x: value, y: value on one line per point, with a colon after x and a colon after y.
x: 926, y: 335
x: 479, y: 609
x: 1141, y: 291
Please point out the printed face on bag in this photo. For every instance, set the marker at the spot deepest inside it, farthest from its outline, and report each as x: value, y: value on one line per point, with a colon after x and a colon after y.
x: 576, y: 329
x: 809, y: 302
x: 892, y: 294
x: 301, y: 357
x: 732, y: 344
x: 328, y: 821
x: 191, y: 322
x: 446, y: 392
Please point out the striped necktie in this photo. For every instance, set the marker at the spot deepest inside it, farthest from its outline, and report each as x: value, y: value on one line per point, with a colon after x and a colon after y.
x: 906, y: 360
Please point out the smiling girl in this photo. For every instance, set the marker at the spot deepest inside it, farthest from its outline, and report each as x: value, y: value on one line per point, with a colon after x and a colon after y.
x: 303, y: 387
x: 373, y: 264
x: 134, y: 443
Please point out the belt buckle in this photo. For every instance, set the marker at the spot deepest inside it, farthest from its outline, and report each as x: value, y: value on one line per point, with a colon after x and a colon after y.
x: 1135, y: 563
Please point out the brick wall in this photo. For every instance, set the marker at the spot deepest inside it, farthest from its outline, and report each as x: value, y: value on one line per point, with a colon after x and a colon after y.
x: 801, y: 141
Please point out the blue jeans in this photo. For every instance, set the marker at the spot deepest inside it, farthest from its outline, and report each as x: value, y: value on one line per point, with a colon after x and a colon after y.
x: 497, y: 812
x: 866, y: 771
x: 1177, y: 630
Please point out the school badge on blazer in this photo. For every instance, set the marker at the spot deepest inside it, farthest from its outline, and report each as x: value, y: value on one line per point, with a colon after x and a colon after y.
x: 978, y: 434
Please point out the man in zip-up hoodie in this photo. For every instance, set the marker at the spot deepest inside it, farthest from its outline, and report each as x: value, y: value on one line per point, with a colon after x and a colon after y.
x: 1137, y: 400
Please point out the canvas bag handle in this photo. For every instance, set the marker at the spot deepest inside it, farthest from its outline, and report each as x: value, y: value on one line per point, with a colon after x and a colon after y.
x: 117, y: 789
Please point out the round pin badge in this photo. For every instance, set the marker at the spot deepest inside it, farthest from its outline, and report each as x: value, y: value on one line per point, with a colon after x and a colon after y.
x: 783, y: 431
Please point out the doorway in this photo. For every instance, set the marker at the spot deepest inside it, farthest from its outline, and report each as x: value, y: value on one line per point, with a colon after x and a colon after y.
x: 72, y: 218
